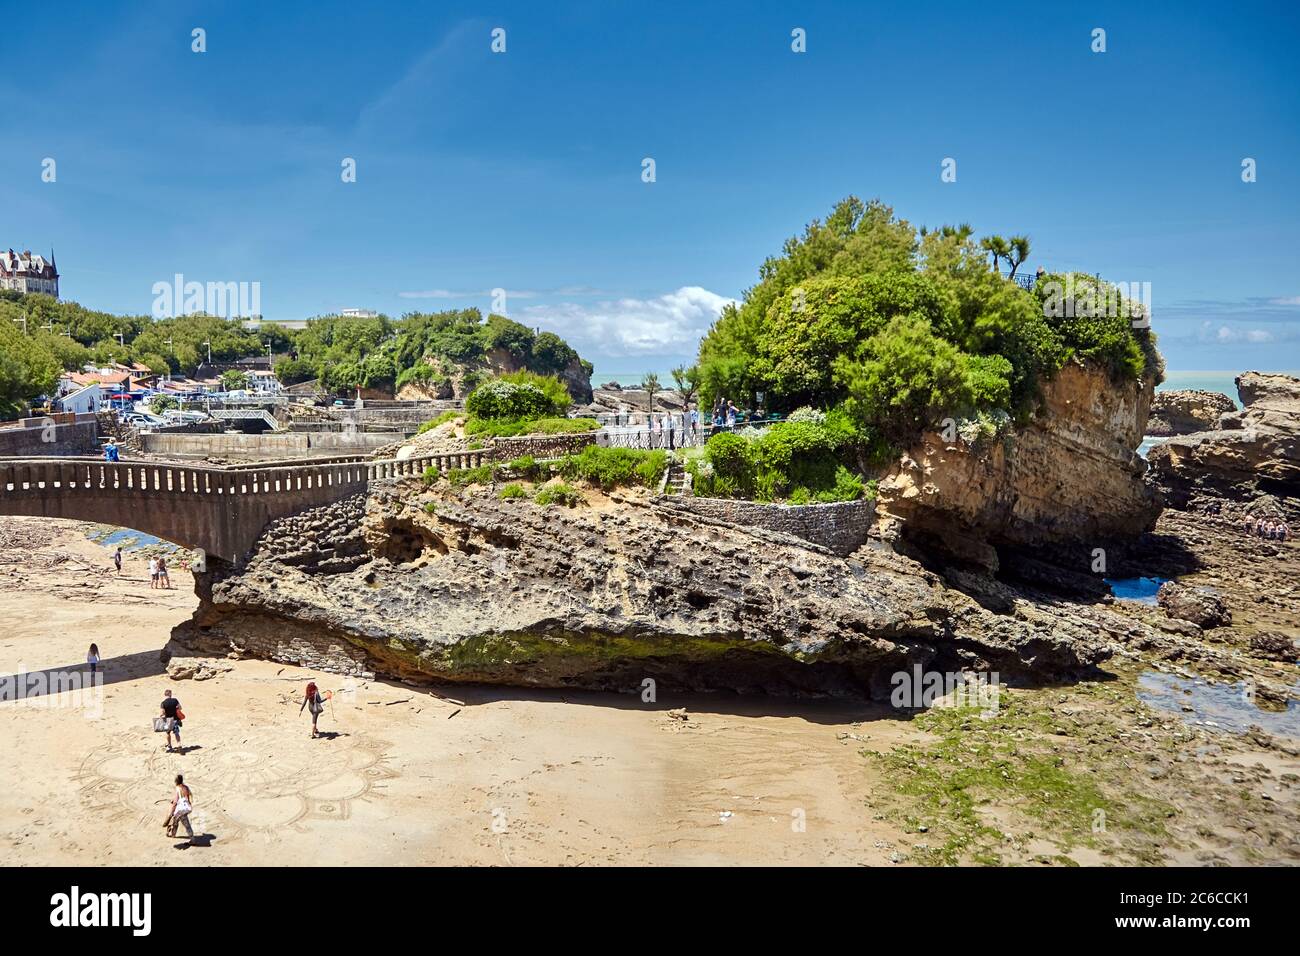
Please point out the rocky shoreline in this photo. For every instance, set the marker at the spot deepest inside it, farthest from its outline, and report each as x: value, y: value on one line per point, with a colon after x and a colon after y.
x: 449, y: 583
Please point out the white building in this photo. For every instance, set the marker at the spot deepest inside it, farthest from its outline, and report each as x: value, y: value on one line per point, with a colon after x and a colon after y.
x: 25, y: 272
x: 83, y: 400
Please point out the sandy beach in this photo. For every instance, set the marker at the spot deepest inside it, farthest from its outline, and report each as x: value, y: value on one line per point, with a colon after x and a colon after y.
x: 496, y: 776
x: 502, y: 778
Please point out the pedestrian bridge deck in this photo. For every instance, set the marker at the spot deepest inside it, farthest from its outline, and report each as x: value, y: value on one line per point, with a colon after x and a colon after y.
x: 219, y: 510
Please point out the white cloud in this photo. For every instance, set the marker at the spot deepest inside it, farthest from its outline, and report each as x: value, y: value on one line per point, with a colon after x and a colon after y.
x: 669, y: 323
x: 467, y: 294
x: 1226, y: 334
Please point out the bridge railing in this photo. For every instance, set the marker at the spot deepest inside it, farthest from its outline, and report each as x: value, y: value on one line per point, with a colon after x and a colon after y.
x: 41, y: 475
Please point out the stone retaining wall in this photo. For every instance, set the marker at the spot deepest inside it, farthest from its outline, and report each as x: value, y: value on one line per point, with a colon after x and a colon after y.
x: 541, y: 446
x: 56, y: 435
x: 840, y: 527
x: 267, y: 445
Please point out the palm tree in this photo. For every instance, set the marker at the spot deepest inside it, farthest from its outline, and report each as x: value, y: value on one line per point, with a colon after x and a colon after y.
x: 650, y: 382
x: 997, y: 247
x: 1017, y: 253
x: 688, y: 381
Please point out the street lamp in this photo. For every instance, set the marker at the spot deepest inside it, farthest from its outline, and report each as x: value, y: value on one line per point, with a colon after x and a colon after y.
x: 209, y: 346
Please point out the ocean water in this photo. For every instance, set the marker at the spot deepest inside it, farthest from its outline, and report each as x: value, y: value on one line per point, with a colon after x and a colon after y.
x: 1209, y: 381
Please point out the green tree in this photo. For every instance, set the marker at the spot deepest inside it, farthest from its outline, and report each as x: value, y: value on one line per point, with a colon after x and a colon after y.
x: 997, y: 247
x: 1017, y: 253
x: 233, y: 380
x: 909, y: 378
x: 650, y: 382
x: 27, y: 368
x: 687, y: 380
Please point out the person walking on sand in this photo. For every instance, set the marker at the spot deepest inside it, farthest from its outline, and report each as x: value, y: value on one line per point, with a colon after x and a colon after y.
x: 92, y: 658
x: 178, y: 814
x: 314, y: 703
x: 117, y: 560
x: 164, y: 579
x: 171, y: 709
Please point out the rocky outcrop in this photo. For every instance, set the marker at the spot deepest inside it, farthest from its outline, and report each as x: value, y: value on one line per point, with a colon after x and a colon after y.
x: 1200, y: 606
x: 1069, y: 478
x: 433, y: 584
x: 1254, y: 451
x: 612, y: 397
x: 1183, y: 411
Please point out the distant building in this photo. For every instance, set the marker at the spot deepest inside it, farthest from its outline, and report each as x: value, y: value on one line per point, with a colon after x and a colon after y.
x: 358, y: 314
x: 83, y: 400
x: 25, y: 272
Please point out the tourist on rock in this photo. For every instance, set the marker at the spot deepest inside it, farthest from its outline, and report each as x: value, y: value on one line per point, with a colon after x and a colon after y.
x: 153, y: 573
x: 314, y: 703
x: 171, y: 709
x: 92, y: 658
x: 117, y: 560
x: 178, y: 814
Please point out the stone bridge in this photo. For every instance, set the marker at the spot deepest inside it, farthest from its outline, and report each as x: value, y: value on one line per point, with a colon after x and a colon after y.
x: 219, y: 510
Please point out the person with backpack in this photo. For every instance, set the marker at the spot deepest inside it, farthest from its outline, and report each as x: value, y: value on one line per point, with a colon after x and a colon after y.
x: 314, y: 703
x: 178, y: 814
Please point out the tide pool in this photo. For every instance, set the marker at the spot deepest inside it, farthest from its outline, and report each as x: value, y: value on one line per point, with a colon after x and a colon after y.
x: 1142, y: 590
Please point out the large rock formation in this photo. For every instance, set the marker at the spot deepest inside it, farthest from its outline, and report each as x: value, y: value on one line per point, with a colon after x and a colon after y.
x: 1070, y: 477
x: 1183, y: 411
x: 1253, y: 452
x: 433, y: 583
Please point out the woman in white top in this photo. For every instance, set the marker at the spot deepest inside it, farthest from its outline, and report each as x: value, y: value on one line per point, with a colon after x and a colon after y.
x: 92, y: 658
x: 179, y: 813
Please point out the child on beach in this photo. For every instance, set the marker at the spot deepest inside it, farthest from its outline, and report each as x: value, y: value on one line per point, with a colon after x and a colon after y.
x: 315, y: 703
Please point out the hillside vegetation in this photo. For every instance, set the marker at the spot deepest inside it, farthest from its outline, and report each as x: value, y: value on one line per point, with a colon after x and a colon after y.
x: 899, y: 328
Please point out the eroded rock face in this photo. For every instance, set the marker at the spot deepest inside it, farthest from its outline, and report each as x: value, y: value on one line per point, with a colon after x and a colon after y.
x: 1254, y: 451
x: 1069, y: 478
x: 469, y: 587
x: 1200, y: 606
x: 1184, y: 411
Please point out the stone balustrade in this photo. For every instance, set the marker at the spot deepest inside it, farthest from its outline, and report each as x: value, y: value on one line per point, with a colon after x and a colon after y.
x: 219, y: 510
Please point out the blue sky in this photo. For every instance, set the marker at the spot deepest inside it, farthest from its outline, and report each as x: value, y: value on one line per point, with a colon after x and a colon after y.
x: 522, y: 170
